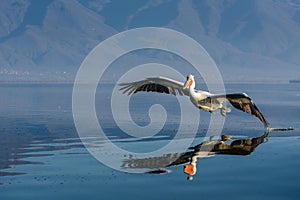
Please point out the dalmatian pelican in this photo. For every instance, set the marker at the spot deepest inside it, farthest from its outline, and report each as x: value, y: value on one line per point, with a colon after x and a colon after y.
x: 201, y: 99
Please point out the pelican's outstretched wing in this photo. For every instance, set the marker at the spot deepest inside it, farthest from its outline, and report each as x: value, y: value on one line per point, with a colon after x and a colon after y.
x: 242, y: 102
x: 160, y: 84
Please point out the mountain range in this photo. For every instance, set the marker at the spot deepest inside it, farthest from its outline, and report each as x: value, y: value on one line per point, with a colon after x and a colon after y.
x: 250, y: 40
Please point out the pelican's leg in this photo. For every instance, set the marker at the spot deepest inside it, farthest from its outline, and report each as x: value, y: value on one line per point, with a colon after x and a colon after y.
x: 224, y: 110
x: 206, y: 108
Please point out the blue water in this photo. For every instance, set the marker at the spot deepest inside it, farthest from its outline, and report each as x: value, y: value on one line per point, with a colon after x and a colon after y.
x: 41, y: 155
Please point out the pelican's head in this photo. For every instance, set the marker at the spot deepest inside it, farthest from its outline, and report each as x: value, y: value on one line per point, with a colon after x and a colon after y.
x: 189, y: 82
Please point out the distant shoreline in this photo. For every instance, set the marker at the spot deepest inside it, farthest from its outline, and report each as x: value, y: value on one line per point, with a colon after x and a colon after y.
x: 45, y: 82
x: 35, y: 82
x: 294, y: 81
x: 71, y: 82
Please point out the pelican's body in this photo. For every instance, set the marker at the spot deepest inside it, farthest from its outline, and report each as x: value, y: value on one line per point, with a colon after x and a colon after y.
x: 201, y: 99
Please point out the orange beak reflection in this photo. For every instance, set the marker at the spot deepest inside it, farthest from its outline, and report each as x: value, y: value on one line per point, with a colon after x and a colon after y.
x: 189, y: 169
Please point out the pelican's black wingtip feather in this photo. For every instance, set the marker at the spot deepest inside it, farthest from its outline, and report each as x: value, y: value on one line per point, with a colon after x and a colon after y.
x: 243, y: 102
x: 153, y: 87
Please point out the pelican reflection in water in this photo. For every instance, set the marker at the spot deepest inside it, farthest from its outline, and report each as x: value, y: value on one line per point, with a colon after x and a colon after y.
x: 224, y: 145
x: 236, y: 147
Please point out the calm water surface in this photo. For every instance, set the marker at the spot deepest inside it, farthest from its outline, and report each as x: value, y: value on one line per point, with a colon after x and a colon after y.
x: 41, y: 155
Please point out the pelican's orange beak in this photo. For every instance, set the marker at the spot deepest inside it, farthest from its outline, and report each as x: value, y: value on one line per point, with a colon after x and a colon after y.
x: 188, y: 83
x: 189, y: 169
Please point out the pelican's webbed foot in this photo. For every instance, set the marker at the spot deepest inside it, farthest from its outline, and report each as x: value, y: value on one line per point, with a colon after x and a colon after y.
x: 224, y: 110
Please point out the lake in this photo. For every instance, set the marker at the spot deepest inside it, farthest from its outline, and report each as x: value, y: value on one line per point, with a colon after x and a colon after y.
x: 42, y: 155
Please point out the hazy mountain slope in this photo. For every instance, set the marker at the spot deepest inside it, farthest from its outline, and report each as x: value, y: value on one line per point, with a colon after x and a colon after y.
x: 56, y: 47
x: 47, y: 40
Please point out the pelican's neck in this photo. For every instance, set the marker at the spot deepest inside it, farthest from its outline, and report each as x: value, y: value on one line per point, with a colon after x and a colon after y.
x: 192, y: 88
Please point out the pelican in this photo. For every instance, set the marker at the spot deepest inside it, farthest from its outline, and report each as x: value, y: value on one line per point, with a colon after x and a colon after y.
x: 201, y: 99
